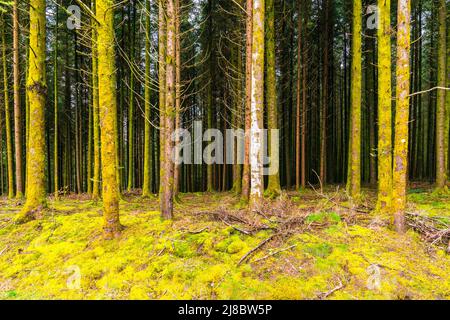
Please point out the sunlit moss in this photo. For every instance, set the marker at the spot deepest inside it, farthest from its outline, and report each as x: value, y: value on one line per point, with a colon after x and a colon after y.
x: 157, y: 259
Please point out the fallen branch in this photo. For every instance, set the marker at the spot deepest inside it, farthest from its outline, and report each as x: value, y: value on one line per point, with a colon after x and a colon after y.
x: 259, y: 246
x: 433, y: 229
x: 327, y: 294
x: 274, y: 253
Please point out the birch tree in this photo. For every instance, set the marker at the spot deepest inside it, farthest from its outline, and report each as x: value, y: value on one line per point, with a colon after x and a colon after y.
x: 257, y: 105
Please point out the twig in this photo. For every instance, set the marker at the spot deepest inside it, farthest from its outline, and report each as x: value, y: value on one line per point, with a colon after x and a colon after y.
x: 428, y: 90
x: 259, y: 246
x: 236, y: 228
x: 4, y: 249
x: 199, y: 231
x: 327, y: 294
x: 274, y: 253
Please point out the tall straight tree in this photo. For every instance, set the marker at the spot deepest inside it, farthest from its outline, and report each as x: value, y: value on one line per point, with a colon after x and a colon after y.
x: 273, y: 188
x: 441, y: 150
x: 9, y: 150
x: 305, y: 13
x: 130, y: 180
x: 384, y: 107
x: 95, y: 113
x: 401, y: 114
x: 354, y: 162
x: 148, y: 139
x: 56, y: 109
x: 36, y: 91
x: 324, y: 109
x: 299, y: 91
x: 17, y: 111
x: 162, y: 42
x: 177, y: 168
x: 257, y: 105
x: 248, y: 91
x: 108, y: 113
x: 167, y: 164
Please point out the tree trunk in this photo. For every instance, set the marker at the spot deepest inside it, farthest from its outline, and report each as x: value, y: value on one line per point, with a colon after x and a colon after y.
x: 17, y: 112
x: 36, y: 91
x: 162, y: 41
x: 248, y: 91
x: 148, y: 138
x: 299, y: 91
x: 273, y: 188
x: 9, y: 150
x: 441, y: 143
x: 354, y: 162
x: 177, y: 168
x: 95, y: 115
x: 384, y: 108
x: 56, y: 110
x: 257, y: 104
x: 108, y: 114
x: 400, y: 177
x: 167, y: 165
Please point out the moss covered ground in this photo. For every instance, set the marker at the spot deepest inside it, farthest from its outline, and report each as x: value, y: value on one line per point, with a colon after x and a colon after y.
x: 196, y: 256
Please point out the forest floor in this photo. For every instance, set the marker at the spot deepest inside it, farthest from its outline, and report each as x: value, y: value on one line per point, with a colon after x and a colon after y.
x: 305, y: 245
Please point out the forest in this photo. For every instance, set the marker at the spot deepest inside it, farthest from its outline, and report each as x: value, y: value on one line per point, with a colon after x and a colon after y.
x: 224, y: 149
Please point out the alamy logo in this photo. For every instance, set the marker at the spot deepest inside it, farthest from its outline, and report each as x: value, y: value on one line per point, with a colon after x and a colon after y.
x: 374, y: 280
x: 74, y: 280
x: 74, y: 20
x: 372, y: 19
x: 188, y: 148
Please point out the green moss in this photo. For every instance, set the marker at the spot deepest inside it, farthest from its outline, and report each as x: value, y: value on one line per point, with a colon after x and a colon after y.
x: 156, y: 259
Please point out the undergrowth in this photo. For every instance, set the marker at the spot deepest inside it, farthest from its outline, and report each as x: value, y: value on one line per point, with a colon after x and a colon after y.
x: 331, y: 254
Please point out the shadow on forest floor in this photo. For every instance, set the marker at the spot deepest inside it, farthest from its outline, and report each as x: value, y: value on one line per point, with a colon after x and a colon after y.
x: 304, y: 245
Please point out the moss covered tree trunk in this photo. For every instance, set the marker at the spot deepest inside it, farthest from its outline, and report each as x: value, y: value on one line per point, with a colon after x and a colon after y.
x: 56, y: 110
x: 162, y: 39
x: 384, y: 107
x: 257, y: 105
x: 306, y: 5
x: 299, y: 95
x: 324, y: 109
x: 17, y: 111
x: 131, y: 124
x: 37, y: 92
x: 354, y: 162
x: 441, y: 151
x: 401, y: 115
x: 248, y: 89
x: 273, y: 188
x: 95, y: 115
x: 167, y: 164
x: 108, y: 114
x: 9, y: 150
x: 148, y: 140
x: 177, y: 168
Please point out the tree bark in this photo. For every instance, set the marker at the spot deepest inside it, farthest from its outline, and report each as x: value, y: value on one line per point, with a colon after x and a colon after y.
x: 441, y: 143
x: 354, y: 162
x: 17, y: 112
x: 400, y: 177
x: 167, y: 165
x: 36, y: 91
x: 108, y: 115
x: 384, y: 108
x: 257, y: 104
